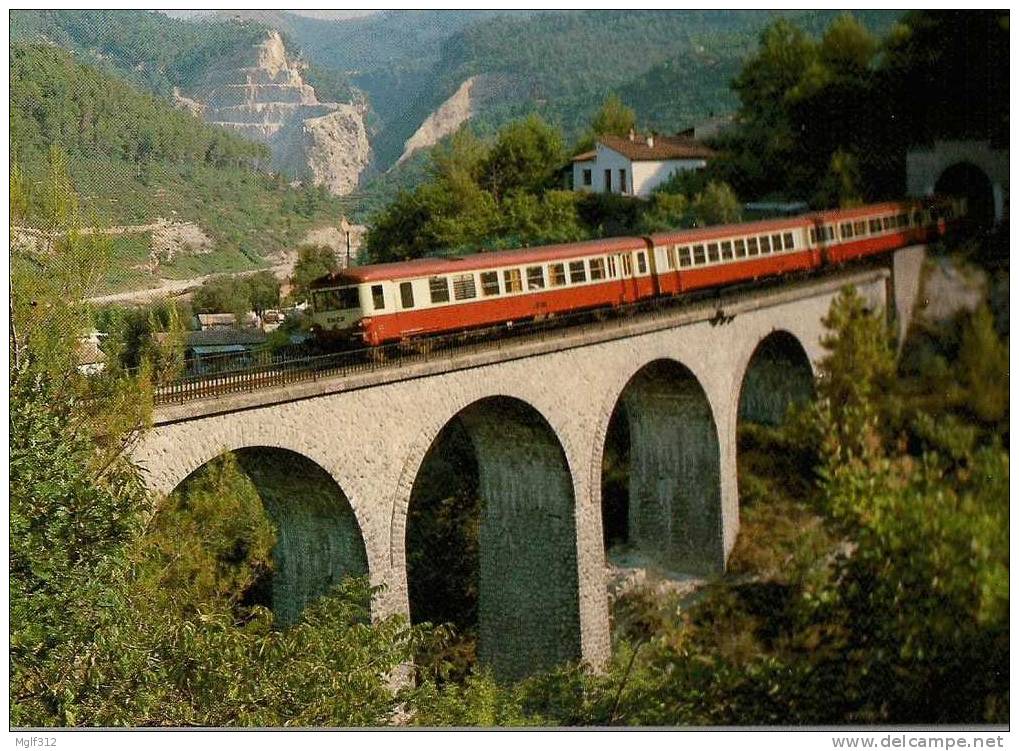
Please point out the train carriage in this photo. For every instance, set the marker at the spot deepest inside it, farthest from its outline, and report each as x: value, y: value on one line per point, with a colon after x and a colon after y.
x: 397, y: 301
x: 715, y: 256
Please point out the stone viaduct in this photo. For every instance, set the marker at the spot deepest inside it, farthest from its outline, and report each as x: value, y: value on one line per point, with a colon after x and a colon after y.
x: 537, y: 414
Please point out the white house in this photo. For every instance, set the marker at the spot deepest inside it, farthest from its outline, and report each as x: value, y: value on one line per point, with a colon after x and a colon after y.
x: 635, y: 165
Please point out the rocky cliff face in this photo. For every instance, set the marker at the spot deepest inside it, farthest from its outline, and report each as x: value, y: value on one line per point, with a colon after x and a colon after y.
x: 267, y: 100
x: 469, y: 99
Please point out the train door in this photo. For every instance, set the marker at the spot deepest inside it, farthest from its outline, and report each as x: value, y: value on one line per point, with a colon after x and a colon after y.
x: 626, y: 273
x: 820, y: 236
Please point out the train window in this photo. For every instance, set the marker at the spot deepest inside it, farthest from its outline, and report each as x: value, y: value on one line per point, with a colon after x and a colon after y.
x: 556, y: 275
x: 511, y: 279
x: 765, y: 245
x: 727, y: 250
x: 464, y: 287
x: 438, y: 286
x: 875, y: 225
x: 860, y: 228
x: 741, y: 248
x: 813, y: 236
x: 901, y: 220
x: 597, y: 268
x: 787, y: 241
x: 684, y: 257
x: 847, y: 230
x: 776, y: 243
x: 489, y: 283
x: 627, y: 261
x: 345, y: 298
x: 831, y: 231
x: 612, y: 267
x: 698, y: 255
x: 535, y: 277
x: 752, y: 246
x: 578, y: 274
x: 641, y: 263
x: 406, y: 294
x: 886, y: 222
x: 670, y: 257
x: 713, y: 252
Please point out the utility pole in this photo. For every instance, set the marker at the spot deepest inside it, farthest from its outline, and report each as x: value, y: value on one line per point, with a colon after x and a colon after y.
x: 345, y: 226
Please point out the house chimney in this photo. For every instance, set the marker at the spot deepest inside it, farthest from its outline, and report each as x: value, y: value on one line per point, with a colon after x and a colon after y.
x: 650, y: 140
x: 633, y: 135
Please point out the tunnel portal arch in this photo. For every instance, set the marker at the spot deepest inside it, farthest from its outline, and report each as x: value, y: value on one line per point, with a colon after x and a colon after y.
x: 967, y: 180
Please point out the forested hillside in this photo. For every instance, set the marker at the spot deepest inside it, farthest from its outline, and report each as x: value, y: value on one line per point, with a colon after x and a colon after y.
x: 147, y: 48
x: 132, y: 158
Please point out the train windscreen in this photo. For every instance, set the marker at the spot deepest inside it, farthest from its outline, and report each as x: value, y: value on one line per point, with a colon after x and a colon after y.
x: 343, y: 298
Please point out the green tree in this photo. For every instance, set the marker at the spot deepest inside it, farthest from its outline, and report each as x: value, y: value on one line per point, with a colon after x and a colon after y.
x: 717, y: 204
x: 527, y: 155
x: 263, y: 291
x: 313, y: 262
x: 614, y: 118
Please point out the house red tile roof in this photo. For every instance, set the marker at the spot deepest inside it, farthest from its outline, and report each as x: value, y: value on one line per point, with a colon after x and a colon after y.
x: 587, y: 156
x: 663, y: 148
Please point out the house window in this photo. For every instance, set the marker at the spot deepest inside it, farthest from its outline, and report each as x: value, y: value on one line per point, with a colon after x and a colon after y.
x: 406, y: 294
x: 556, y: 275
x: 378, y: 297
x: 438, y: 286
x: 578, y: 274
x: 622, y: 181
x: 608, y: 181
x: 489, y: 283
x: 464, y: 287
x: 511, y: 278
x: 535, y: 277
x: 586, y: 176
x: 597, y: 268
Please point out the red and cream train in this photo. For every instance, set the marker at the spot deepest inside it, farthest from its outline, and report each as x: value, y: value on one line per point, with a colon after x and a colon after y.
x: 398, y: 301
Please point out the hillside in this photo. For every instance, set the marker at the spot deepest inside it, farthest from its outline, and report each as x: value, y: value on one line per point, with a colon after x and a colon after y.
x: 134, y: 159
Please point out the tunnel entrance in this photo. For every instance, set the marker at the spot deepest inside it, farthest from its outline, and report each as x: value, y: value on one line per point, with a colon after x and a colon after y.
x: 972, y: 183
x: 318, y: 541
x: 661, y: 488
x: 777, y: 376
x: 491, y: 538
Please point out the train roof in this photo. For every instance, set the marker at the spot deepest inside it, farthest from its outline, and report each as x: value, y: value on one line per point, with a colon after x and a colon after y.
x: 728, y: 230
x: 492, y: 259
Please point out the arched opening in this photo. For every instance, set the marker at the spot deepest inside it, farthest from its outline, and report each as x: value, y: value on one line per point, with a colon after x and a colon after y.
x: 661, y: 484
x: 774, y: 473
x: 777, y: 376
x: 491, y: 538
x: 317, y: 540
x: 972, y: 183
